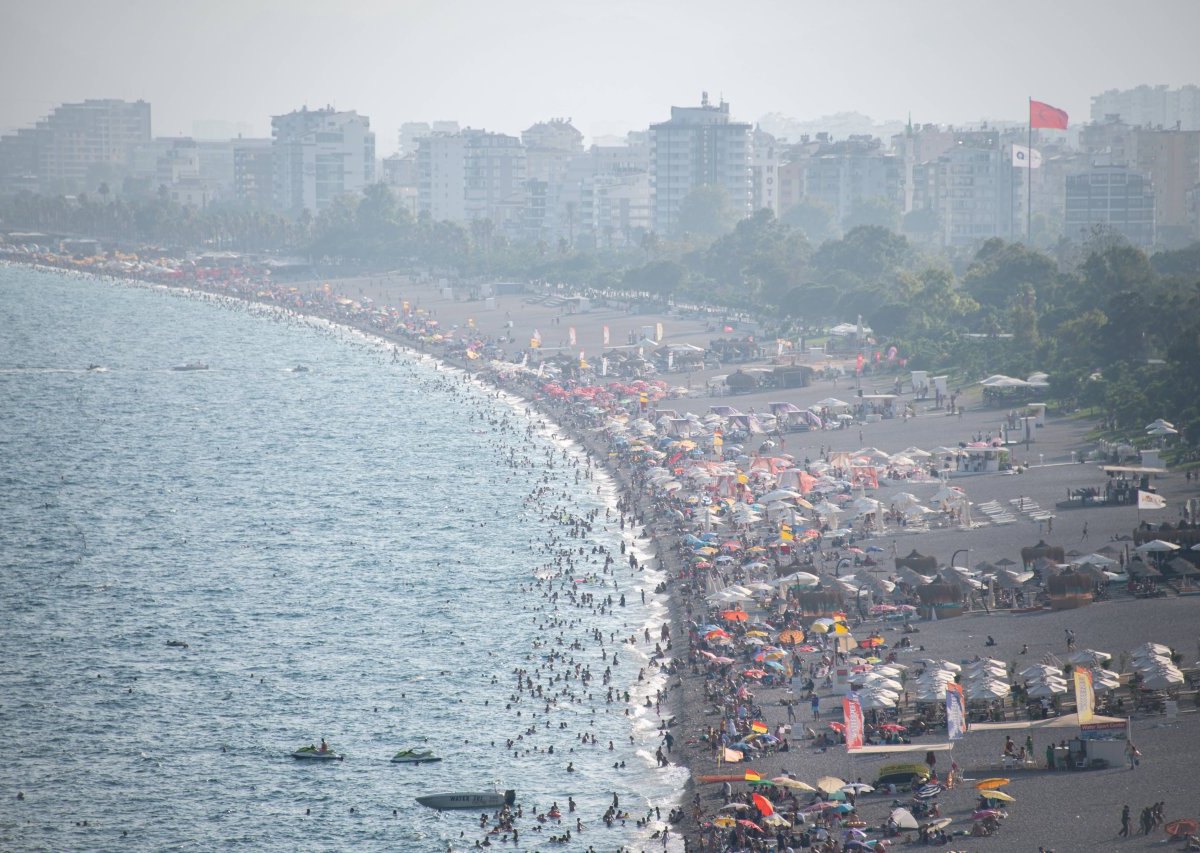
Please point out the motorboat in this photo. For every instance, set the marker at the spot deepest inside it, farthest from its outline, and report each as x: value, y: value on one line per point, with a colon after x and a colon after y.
x: 468, y: 800
x: 191, y: 365
x: 415, y: 756
x: 312, y: 753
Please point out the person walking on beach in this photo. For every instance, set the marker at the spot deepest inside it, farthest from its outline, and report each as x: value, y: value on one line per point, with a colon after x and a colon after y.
x: 1125, y: 822
x: 1070, y: 640
x: 1132, y: 754
x: 816, y: 707
x: 1084, y: 536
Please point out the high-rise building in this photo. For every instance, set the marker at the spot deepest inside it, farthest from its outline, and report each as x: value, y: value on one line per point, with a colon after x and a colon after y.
x: 1151, y: 107
x: 472, y: 174
x: 699, y: 146
x: 77, y: 147
x: 320, y: 155
x: 1115, y: 197
x: 842, y: 175
x: 974, y: 189
x: 254, y: 173
x: 765, y: 157
x: 1171, y: 158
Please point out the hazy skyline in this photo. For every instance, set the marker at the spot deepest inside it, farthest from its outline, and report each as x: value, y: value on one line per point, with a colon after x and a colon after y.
x: 610, y: 67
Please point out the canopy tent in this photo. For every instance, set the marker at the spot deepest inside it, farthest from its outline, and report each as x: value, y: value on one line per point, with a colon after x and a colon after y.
x: 1066, y: 721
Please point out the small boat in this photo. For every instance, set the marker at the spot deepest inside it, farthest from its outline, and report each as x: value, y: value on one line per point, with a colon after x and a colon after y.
x: 299, y: 368
x: 312, y: 753
x: 472, y: 800
x: 415, y: 756
x: 191, y: 365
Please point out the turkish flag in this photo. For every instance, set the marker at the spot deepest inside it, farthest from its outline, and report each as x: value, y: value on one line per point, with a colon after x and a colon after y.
x: 1046, y: 116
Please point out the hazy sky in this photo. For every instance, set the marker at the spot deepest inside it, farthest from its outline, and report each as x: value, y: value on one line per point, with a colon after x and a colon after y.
x: 610, y: 66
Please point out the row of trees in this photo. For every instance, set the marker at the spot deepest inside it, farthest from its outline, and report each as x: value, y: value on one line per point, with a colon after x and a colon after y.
x: 1116, y: 328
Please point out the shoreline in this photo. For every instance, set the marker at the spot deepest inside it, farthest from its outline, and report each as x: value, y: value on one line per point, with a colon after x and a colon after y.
x: 557, y: 428
x: 1171, y: 622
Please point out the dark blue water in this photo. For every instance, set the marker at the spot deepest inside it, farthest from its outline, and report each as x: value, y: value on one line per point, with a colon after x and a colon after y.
x: 349, y: 552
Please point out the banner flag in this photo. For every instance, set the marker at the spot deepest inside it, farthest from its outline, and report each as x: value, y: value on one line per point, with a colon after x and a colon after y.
x: 956, y: 714
x: 1085, y: 696
x: 571, y: 335
x: 606, y: 335
x: 1026, y: 158
x: 853, y: 714
x: 1149, y: 500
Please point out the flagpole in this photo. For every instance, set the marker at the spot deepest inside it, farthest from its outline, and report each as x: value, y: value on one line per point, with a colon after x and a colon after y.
x: 1029, y: 179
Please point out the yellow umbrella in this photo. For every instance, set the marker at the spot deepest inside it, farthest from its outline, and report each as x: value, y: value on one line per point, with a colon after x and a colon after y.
x: 757, y: 633
x: 993, y: 794
x: 724, y: 821
x: 802, y: 502
x: 819, y: 628
x: 794, y: 784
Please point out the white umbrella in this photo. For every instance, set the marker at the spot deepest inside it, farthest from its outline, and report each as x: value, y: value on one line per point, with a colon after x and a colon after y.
x: 1159, y: 422
x: 876, y: 701
x: 1046, y: 689
x: 799, y: 578
x: 1156, y: 546
x: 1163, y: 679
x: 1090, y: 656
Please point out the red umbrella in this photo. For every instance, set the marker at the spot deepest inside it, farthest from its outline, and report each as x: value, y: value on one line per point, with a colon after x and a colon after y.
x: 749, y: 824
x: 763, y: 804
x: 755, y: 673
x: 838, y: 727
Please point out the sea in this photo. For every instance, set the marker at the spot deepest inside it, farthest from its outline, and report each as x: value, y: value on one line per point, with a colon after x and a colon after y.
x: 318, y: 536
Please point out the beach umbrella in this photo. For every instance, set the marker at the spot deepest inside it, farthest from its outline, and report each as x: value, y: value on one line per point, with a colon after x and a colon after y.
x: 791, y: 635
x: 776, y: 820
x: 903, y: 819
x: 1182, y: 828
x: 734, y: 807
x: 1090, y: 656
x: 991, y: 783
x: 794, y: 784
x: 830, y: 784
x: 928, y: 792
x: 1046, y: 689
x: 1156, y: 546
x: 749, y: 824
x: 857, y: 788
x: 1163, y: 679
x: 999, y: 796
x: 762, y: 804
x: 725, y: 822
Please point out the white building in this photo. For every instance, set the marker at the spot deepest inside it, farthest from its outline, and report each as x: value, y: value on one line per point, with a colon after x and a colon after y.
x: 765, y: 158
x: 699, y: 146
x: 320, y: 155
x: 472, y: 175
x: 1151, y: 107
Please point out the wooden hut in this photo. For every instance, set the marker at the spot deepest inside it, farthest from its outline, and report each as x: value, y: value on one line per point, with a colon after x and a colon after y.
x: 1069, y: 590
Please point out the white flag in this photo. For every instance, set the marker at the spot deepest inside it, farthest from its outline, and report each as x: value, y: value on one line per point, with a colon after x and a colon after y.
x: 1026, y: 158
x: 1149, y: 500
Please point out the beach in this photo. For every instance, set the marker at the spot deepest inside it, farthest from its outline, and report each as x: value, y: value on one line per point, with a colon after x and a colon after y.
x: 1053, y: 809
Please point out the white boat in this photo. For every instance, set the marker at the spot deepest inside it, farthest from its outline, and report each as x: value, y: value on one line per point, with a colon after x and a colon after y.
x: 311, y: 753
x: 191, y: 365
x: 415, y: 756
x: 468, y: 800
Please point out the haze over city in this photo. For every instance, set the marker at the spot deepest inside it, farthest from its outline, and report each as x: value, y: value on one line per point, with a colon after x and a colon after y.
x: 611, y: 67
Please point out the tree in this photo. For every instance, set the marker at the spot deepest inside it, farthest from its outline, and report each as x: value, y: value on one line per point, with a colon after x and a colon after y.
x: 660, y: 277
x: 706, y: 212
x: 874, y: 211
x: 813, y: 217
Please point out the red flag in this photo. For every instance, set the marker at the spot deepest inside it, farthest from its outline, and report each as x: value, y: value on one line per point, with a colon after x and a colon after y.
x: 1044, y: 115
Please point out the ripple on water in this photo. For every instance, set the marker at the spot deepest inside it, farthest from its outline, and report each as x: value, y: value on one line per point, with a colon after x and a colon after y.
x: 344, y: 559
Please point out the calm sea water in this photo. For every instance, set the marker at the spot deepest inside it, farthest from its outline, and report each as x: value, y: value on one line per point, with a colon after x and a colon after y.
x: 350, y: 552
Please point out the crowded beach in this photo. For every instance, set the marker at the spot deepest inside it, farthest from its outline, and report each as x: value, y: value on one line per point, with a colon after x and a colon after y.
x: 904, y: 618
